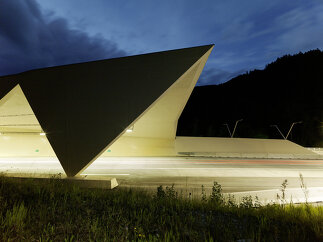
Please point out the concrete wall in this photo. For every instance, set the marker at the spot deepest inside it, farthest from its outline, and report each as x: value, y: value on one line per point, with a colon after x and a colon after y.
x: 241, y: 147
x: 31, y: 145
x: 38, y: 146
x: 316, y: 150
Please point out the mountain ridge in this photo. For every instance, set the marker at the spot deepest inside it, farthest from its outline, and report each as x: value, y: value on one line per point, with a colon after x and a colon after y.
x: 288, y: 90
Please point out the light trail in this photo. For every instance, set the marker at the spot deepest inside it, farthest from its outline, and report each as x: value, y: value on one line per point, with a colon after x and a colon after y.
x: 261, y: 177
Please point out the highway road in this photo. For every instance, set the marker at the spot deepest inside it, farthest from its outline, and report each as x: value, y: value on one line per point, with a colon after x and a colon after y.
x: 261, y: 177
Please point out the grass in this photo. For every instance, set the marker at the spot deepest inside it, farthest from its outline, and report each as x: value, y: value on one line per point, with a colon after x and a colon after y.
x: 56, y: 211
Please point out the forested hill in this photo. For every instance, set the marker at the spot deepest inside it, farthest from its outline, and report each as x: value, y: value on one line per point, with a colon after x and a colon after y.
x: 287, y: 90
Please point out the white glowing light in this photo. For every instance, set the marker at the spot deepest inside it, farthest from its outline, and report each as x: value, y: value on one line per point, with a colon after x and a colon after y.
x: 129, y: 130
x: 42, y: 134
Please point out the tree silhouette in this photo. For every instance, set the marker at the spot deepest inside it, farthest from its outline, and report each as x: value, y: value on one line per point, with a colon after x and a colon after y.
x: 287, y: 90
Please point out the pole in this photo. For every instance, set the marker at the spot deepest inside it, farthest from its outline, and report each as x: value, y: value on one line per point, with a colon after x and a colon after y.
x: 228, y: 129
x: 274, y: 125
x: 235, y: 126
x: 292, y: 127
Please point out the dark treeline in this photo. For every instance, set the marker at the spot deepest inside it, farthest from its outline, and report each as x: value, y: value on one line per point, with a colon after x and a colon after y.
x: 287, y: 90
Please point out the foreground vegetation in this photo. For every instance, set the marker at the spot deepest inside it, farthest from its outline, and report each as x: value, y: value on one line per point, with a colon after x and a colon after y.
x: 56, y: 211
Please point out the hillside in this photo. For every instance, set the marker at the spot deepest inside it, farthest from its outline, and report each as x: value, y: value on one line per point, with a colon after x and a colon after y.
x: 287, y: 90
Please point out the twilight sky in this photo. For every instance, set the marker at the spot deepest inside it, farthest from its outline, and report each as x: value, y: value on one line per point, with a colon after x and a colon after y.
x: 247, y: 34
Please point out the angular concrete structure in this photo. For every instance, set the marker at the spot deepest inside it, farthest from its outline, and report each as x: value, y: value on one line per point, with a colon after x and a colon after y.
x: 242, y: 148
x: 86, y: 109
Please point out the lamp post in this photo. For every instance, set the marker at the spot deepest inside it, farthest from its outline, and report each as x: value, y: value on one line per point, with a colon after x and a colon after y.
x: 235, y: 127
x: 290, y: 129
x: 299, y: 122
x: 274, y: 125
x: 228, y: 129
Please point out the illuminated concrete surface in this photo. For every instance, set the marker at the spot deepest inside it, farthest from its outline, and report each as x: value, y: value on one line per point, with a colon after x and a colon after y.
x: 317, y: 150
x: 243, y: 148
x: 154, y: 132
x: 261, y: 177
x: 87, y: 108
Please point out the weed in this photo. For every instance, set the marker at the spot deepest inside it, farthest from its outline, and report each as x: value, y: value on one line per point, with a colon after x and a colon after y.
x: 282, y: 197
x: 56, y: 176
x: 171, y: 193
x: 304, y: 187
x: 15, y: 218
x: 203, y: 194
x: 216, y: 194
x: 257, y: 203
x: 160, y: 192
x: 50, y: 211
x: 231, y: 202
x: 246, y: 202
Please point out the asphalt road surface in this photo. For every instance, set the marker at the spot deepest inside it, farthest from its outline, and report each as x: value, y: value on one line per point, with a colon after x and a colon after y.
x: 261, y: 177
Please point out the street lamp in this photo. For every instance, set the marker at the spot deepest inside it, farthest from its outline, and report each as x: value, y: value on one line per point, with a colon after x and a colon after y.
x: 235, y: 126
x: 299, y: 122
x: 228, y: 129
x: 274, y: 125
x: 290, y: 129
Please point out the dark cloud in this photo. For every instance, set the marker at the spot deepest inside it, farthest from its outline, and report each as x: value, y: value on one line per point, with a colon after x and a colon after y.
x: 28, y: 40
x: 216, y: 76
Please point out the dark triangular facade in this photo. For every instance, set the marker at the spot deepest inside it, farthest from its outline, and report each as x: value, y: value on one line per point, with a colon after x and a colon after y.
x: 7, y: 83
